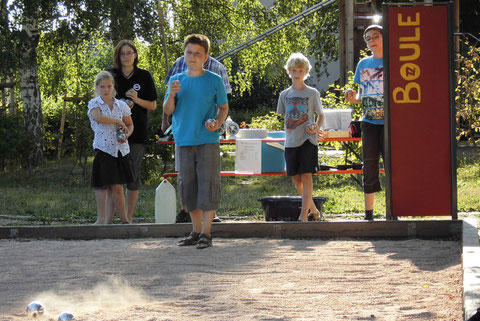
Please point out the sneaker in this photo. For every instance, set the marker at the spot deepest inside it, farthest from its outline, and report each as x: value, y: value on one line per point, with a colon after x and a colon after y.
x: 368, y: 217
x: 204, y: 241
x: 216, y: 219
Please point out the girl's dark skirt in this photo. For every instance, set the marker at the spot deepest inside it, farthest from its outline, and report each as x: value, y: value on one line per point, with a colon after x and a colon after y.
x: 108, y: 170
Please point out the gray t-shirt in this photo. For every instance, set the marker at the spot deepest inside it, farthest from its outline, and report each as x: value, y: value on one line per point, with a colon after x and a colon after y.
x: 299, y: 107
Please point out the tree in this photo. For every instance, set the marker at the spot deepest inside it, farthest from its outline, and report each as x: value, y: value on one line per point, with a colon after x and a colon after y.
x: 49, y: 37
x: 24, y: 33
x: 30, y: 20
x: 229, y: 23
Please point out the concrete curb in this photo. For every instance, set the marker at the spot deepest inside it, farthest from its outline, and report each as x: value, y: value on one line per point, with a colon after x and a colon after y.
x: 471, y: 268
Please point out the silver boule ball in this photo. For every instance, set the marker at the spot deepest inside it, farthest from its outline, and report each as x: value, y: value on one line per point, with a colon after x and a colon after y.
x: 129, y: 102
x: 121, y: 137
x: 66, y: 316
x: 211, y: 122
x: 35, y: 309
x: 221, y: 130
x: 232, y: 128
x: 311, y: 125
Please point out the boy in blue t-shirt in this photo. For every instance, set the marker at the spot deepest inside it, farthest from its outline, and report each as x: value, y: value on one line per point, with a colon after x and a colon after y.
x: 369, y: 76
x: 299, y: 103
x: 193, y: 97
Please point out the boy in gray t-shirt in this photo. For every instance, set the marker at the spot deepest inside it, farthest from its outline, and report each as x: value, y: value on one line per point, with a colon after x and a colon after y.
x: 299, y: 104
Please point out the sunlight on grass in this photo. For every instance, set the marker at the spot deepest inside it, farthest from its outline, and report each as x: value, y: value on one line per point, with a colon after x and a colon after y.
x: 59, y: 193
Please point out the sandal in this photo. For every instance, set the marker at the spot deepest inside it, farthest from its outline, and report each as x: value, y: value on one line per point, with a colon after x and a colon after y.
x: 192, y: 239
x: 315, y: 216
x: 204, y: 241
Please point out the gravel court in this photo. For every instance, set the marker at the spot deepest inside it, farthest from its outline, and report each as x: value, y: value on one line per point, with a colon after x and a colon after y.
x: 237, y: 279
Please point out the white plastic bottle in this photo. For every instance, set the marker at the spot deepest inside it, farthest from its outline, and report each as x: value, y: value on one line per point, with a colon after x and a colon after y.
x: 165, y: 203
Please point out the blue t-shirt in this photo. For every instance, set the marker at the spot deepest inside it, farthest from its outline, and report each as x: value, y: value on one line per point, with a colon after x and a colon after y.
x: 369, y: 76
x: 196, y: 102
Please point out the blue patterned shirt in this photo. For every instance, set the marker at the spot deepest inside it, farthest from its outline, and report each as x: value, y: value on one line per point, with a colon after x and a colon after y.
x: 212, y: 64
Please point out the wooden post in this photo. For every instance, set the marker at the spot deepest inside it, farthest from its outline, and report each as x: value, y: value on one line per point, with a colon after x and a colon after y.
x: 7, y: 106
x: 343, y: 74
x: 13, y: 109
x: 161, y: 23
x: 4, y: 103
x: 349, y: 37
x: 62, y: 127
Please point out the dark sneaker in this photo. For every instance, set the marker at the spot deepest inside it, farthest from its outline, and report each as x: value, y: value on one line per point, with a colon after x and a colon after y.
x: 192, y: 239
x: 204, y: 241
x: 368, y: 217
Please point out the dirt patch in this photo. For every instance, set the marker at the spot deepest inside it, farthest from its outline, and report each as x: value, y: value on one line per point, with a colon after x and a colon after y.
x: 237, y: 279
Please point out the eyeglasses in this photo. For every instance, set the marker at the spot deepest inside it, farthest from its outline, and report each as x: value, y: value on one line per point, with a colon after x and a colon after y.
x: 374, y: 37
x: 127, y: 54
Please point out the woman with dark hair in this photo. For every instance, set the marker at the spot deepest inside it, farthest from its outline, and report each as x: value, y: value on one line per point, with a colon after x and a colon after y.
x: 136, y: 87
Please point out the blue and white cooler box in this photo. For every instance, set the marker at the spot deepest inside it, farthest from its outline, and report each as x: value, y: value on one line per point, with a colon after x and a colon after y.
x: 258, y: 155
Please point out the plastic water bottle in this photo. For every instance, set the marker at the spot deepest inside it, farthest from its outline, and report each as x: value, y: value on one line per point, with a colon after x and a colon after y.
x: 165, y: 203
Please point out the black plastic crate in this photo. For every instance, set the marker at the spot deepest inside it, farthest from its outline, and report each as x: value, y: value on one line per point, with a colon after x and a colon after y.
x: 286, y: 208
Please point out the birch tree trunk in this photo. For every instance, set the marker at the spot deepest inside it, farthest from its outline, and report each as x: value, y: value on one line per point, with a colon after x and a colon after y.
x: 30, y: 91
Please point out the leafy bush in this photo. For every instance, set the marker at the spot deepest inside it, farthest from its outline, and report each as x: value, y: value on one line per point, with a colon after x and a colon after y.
x: 245, y: 115
x: 271, y: 121
x: 334, y: 98
x: 468, y: 94
x: 13, y: 142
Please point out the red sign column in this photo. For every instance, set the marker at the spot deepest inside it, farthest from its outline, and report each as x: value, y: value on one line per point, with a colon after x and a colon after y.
x: 420, y: 161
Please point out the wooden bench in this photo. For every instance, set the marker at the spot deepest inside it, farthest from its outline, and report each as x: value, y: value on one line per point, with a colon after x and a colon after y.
x: 323, y: 172
x: 332, y: 171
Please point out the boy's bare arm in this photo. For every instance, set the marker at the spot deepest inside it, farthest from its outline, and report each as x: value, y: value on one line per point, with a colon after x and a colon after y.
x: 320, y: 119
x: 222, y: 113
x: 169, y: 104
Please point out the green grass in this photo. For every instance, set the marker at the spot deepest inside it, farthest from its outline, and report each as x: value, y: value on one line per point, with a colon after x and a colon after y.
x: 57, y: 192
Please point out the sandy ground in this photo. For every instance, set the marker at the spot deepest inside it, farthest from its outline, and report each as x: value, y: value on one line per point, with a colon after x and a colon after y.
x: 237, y: 279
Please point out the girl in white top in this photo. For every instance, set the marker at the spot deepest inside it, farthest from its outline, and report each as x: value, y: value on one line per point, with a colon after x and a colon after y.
x: 111, y: 167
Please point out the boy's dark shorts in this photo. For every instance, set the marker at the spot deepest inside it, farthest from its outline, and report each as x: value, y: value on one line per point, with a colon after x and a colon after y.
x: 302, y: 159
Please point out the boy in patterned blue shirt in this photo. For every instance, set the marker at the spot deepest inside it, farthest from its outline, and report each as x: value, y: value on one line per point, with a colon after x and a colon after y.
x: 369, y: 76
